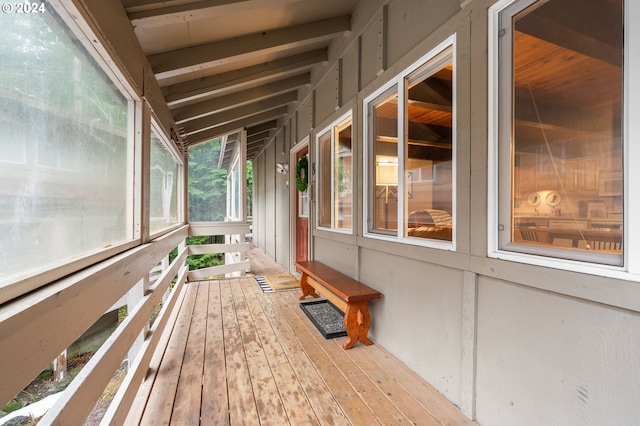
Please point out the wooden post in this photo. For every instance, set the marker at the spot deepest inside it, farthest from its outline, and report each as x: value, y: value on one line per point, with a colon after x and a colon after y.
x: 60, y: 367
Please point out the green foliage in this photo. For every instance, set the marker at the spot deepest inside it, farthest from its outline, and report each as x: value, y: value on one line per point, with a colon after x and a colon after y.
x: 12, y: 406
x: 249, y: 188
x: 42, y: 61
x: 207, y: 183
x: 198, y: 261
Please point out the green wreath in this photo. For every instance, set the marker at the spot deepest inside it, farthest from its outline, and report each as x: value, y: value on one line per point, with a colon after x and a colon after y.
x: 302, y: 174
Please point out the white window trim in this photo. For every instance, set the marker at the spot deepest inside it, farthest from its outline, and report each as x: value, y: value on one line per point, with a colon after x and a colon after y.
x: 87, y: 34
x: 331, y: 129
x: 631, y: 233
x: 399, y: 83
x: 173, y: 150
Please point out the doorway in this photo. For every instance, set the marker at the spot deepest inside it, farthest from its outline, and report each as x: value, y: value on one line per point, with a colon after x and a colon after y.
x: 300, y: 208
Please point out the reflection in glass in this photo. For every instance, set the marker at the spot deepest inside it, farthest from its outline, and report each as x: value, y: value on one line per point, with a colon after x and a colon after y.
x: 163, y: 198
x: 567, y: 125
x: 385, y: 146
x: 429, y: 150
x: 64, y: 149
x: 342, y: 176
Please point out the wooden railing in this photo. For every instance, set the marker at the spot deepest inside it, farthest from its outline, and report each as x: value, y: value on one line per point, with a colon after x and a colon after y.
x: 37, y: 327
x: 235, y: 248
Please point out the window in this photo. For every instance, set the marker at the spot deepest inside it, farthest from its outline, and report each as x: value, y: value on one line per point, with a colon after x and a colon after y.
x: 412, y: 152
x: 207, y: 183
x: 163, y: 198
x: 65, y: 149
x: 335, y: 188
x: 234, y: 191
x: 560, y: 129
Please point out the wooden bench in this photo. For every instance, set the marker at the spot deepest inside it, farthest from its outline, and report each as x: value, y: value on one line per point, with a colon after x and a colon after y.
x: 347, y: 294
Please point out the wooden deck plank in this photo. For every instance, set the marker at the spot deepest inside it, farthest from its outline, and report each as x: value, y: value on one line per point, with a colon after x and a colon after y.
x: 270, y: 408
x: 441, y: 408
x: 242, y: 406
x: 370, y: 394
x: 345, y: 394
x: 322, y: 402
x: 215, y: 402
x: 296, y: 404
x: 265, y: 363
x: 136, y: 411
x: 160, y: 405
x: 186, y: 407
x: 397, y: 395
x: 391, y: 402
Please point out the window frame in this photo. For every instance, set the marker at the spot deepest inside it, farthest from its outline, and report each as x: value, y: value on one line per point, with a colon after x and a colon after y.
x: 631, y: 103
x: 399, y: 85
x: 177, y: 157
x: 94, y: 46
x: 333, y: 128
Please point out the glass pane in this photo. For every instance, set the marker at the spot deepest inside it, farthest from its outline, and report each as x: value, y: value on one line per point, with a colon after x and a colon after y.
x: 429, y: 148
x: 324, y: 183
x: 207, y: 183
x: 567, y: 125
x: 342, y: 177
x: 237, y: 192
x: 385, y: 162
x: 64, y: 149
x: 163, y: 197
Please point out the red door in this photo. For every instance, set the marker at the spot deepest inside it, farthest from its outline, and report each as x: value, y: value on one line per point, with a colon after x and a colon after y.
x: 302, y: 218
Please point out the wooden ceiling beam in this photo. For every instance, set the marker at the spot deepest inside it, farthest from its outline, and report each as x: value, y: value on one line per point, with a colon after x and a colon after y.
x: 257, y: 141
x: 236, y: 114
x: 225, y: 129
x: 261, y: 128
x: 215, y: 85
x: 237, y: 99
x: 590, y: 43
x: 149, y: 13
x: 207, y: 55
x: 257, y: 137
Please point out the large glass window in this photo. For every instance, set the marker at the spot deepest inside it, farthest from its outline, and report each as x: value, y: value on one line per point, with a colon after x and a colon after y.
x: 335, y: 188
x: 65, y: 180
x: 411, y: 159
x: 163, y: 197
x: 429, y: 150
x: 561, y: 129
x: 384, y: 116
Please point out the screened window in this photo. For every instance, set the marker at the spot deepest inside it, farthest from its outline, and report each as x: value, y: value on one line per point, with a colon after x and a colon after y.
x: 234, y: 186
x: 65, y: 151
x: 411, y: 160
x: 207, y: 183
x: 561, y: 129
x: 335, y: 189
x: 163, y: 197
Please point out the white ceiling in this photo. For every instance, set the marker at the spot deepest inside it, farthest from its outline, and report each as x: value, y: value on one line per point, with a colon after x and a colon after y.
x: 226, y: 63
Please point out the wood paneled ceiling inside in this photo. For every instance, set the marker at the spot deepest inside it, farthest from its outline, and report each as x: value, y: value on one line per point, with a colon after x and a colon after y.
x: 230, y: 64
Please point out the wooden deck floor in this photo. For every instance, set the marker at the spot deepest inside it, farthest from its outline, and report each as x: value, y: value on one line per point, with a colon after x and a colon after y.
x: 242, y: 357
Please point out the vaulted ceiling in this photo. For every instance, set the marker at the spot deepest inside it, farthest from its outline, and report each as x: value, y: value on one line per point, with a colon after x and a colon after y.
x: 229, y: 64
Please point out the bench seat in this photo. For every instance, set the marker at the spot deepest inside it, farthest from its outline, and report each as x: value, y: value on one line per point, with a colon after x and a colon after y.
x: 349, y: 295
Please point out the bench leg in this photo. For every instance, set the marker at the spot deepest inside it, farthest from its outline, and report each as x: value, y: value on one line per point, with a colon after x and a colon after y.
x: 356, y: 322
x: 307, y: 290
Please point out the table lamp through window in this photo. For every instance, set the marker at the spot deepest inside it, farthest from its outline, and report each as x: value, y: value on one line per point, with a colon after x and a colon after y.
x: 387, y: 176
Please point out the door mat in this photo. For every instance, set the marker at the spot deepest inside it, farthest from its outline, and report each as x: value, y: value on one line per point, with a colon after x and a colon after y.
x: 264, y: 285
x: 282, y: 281
x: 328, y: 319
x: 272, y: 283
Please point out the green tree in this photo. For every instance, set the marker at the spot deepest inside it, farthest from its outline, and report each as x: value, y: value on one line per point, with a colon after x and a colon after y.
x: 207, y: 183
x: 249, y: 188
